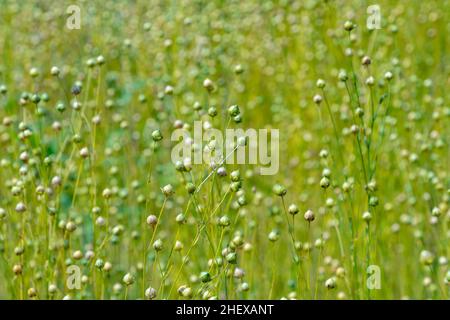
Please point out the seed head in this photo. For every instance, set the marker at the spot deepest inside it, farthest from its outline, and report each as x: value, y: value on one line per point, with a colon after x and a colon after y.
x: 168, y: 190
x: 343, y: 76
x: 190, y: 187
x: 178, y: 246
x: 370, y: 81
x: 320, y: 83
x: 77, y: 255
x: 32, y: 292
x: 107, y: 267
x: 234, y: 110
x: 436, y: 212
x: 99, y: 263
x: 34, y: 72
x: 367, y: 216
x: 359, y: 112
x: 180, y: 218
x: 373, y: 201
x: 274, y: 235
x: 366, y: 61
x: 208, y: 84
x: 187, y: 292
x: 388, y: 76
x: 100, y: 60
x: 156, y: 135
x: 238, y: 273
x: 17, y: 269
x: 325, y: 182
x: 55, y: 71
x: 76, y: 89
x: 349, y: 26
x: 158, y: 245
x: 330, y: 283
x: 309, y: 216
x: 323, y: 153
x: 293, y: 209
x: 152, y: 220
x: 221, y: 171
x: 100, y: 221
x: 224, y: 221
x: 317, y: 99
x: 128, y: 279
x: 84, y: 152
x: 71, y: 226
x: 279, y: 190
x: 238, y: 69
x: 20, y: 207
x: 205, y: 276
x: 212, y: 112
x: 426, y: 257
x: 231, y: 258
x: 150, y: 293
x: 168, y: 90
x: 52, y: 289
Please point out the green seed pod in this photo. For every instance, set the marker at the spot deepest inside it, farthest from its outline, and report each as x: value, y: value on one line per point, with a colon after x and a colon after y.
x: 233, y: 111
x: 238, y: 69
x: 373, y: 201
x: 205, y: 277
x: 235, y: 176
x: 181, y: 218
x: 236, y: 186
x: 343, y: 76
x: 60, y: 107
x: 168, y: 190
x: 330, y: 283
x: 99, y: 263
x: 367, y: 216
x: 237, y: 118
x: 348, y: 26
x: 274, y: 235
x: 224, y: 221
x: 293, y: 209
x: 212, y: 112
x: 197, y: 106
x: 156, y: 135
x: 158, y: 245
x: 128, y: 279
x: 325, y: 182
x: 426, y: 257
x: 320, y: 83
x: 35, y: 98
x: 231, y: 258
x: 190, y: 187
x: 279, y: 190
